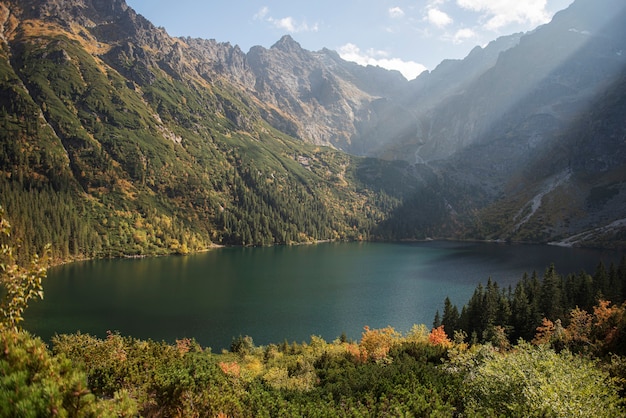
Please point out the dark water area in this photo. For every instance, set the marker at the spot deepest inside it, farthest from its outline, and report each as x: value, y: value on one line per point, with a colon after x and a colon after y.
x: 284, y: 293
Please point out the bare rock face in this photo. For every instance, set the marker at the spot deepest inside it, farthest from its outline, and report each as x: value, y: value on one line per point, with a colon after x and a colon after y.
x: 322, y: 96
x: 112, y: 20
x: 314, y: 96
x: 220, y: 59
x: 533, y: 89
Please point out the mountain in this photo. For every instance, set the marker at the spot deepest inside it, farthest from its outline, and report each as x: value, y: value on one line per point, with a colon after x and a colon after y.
x: 524, y: 134
x: 551, y: 73
x: 316, y: 97
x: 118, y: 139
x: 538, y: 131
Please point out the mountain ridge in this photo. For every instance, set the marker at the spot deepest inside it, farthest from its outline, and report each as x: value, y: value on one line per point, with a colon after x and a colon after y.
x: 160, y: 144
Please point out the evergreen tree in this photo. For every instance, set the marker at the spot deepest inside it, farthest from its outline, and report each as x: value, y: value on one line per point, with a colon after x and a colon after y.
x: 524, y: 319
x: 471, y: 313
x: 614, y: 288
x: 551, y: 297
x: 585, y: 296
x: 450, y: 319
x: 437, y: 320
x: 601, y: 282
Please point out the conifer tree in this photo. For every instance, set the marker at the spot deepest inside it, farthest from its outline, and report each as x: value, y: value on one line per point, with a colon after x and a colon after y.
x: 450, y: 319
x: 551, y: 298
x: 437, y: 320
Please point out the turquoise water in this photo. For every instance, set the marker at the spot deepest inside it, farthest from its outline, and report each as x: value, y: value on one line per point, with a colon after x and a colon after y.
x: 283, y: 293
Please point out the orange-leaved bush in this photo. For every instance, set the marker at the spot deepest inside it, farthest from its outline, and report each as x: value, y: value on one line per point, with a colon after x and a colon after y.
x: 439, y: 337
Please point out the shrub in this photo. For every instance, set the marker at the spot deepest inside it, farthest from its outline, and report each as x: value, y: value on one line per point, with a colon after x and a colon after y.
x: 33, y: 383
x: 537, y: 382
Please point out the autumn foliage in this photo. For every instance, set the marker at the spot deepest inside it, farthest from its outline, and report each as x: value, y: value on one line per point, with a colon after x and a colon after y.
x: 376, y: 343
x: 545, y: 332
x: 230, y: 368
x: 439, y: 337
x: 601, y: 332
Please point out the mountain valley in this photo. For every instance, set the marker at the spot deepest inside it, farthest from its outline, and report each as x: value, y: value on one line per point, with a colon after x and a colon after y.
x: 118, y: 139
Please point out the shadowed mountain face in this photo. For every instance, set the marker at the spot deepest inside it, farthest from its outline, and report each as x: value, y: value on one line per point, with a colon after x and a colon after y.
x: 536, y: 88
x: 530, y: 130
x: 160, y: 144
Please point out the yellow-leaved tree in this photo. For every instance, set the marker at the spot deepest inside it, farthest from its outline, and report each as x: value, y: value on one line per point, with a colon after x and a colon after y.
x: 33, y: 382
x: 18, y: 284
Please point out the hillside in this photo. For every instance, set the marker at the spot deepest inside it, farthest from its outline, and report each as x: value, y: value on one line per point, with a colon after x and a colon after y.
x: 118, y: 139
x: 530, y: 134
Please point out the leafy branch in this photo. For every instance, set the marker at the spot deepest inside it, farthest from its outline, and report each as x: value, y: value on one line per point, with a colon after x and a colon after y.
x: 19, y: 284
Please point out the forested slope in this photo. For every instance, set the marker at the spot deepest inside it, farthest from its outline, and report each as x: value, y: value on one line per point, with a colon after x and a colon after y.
x: 107, y: 150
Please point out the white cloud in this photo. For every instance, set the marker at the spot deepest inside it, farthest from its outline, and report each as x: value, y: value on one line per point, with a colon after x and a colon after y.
x: 260, y: 15
x: 438, y: 18
x: 500, y: 13
x: 463, y: 35
x: 291, y: 25
x: 288, y: 23
x: 351, y: 52
x: 396, y: 12
x: 409, y: 69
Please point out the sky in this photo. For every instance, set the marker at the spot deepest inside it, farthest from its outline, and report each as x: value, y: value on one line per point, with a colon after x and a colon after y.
x: 405, y: 35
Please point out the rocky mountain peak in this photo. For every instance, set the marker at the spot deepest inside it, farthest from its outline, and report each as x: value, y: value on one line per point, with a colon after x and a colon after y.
x: 287, y: 44
x: 110, y: 21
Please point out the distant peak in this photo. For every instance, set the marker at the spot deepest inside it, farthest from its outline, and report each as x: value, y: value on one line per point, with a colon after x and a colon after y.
x: 287, y: 44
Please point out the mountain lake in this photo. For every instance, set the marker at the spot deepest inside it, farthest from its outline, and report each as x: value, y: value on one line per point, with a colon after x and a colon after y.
x: 283, y: 293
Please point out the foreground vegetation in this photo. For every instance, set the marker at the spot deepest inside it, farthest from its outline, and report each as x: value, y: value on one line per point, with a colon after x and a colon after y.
x: 384, y: 374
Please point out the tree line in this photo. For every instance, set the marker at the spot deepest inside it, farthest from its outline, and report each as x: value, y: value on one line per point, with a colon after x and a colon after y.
x: 498, y: 315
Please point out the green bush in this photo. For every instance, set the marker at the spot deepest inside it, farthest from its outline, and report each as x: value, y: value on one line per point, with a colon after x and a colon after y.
x: 33, y: 383
x: 534, y: 381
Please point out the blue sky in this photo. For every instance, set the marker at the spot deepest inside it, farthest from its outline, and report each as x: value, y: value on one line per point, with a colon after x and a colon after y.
x: 406, y: 35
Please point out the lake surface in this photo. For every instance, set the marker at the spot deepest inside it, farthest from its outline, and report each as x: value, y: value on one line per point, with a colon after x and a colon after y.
x: 283, y: 293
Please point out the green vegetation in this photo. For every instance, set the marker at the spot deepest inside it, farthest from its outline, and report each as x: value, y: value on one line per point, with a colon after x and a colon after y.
x: 422, y: 373
x: 384, y: 374
x: 100, y: 166
x: 33, y: 382
x: 36, y: 383
x: 536, y: 381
